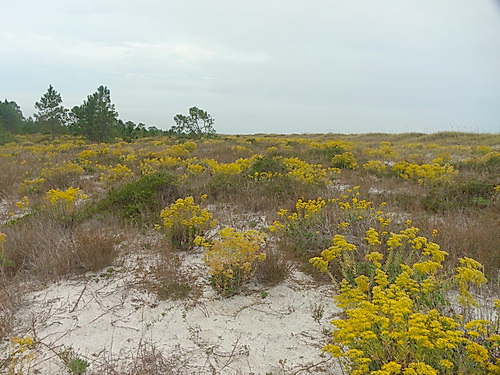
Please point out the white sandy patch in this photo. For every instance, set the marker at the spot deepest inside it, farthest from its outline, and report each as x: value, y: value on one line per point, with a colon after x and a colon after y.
x: 105, y: 318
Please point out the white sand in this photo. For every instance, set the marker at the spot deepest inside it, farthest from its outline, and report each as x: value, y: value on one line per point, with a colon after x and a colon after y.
x: 106, y: 319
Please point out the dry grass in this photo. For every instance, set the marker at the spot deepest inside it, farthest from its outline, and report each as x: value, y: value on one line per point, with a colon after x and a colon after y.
x: 163, y: 275
x: 146, y: 360
x: 94, y: 245
x: 47, y: 249
x: 8, y: 301
x: 12, y: 174
x: 40, y: 246
x: 275, y: 269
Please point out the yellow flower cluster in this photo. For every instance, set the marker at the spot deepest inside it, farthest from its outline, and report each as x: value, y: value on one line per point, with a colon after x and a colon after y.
x: 375, y: 167
x: 232, y: 258
x: 116, y: 174
x: 32, y: 185
x: 153, y: 164
x: 424, y: 172
x: 20, y: 356
x: 311, y: 206
x: 333, y: 144
x: 86, y: 154
x: 65, y: 197
x: 469, y: 273
x: 181, y: 150
x: 67, y: 168
x: 184, y: 221
x: 195, y: 169
x: 345, y: 160
x: 303, y: 171
x: 389, y: 328
x: 385, y: 150
x: 23, y: 203
x: 236, y: 168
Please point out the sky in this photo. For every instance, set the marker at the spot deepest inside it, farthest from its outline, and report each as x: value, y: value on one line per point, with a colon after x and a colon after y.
x: 263, y: 66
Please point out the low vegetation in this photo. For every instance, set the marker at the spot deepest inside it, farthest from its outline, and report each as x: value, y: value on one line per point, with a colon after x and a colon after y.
x: 405, y: 226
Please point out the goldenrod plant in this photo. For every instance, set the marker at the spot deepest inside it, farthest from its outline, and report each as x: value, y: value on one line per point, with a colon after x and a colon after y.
x: 64, y: 201
x: 184, y: 220
x: 232, y: 258
x: 425, y: 172
x: 395, y: 300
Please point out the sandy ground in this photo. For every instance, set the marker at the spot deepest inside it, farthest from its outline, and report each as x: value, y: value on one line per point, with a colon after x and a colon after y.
x: 107, y: 319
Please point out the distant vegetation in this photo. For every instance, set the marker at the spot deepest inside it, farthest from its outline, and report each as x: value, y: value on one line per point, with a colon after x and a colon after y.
x: 95, y: 119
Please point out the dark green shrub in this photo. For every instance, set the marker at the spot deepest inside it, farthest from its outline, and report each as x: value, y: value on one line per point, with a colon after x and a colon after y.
x: 138, y: 200
x: 466, y: 195
x: 272, y: 164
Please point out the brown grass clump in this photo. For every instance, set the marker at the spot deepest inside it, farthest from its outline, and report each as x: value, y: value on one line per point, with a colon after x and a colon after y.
x: 147, y: 359
x: 41, y: 246
x: 274, y: 269
x: 94, y: 246
x: 48, y: 249
x: 164, y: 277
x: 7, y: 307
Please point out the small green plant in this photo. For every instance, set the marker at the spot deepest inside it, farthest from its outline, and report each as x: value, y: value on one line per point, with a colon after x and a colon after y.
x: 74, y: 364
x: 173, y: 290
x: 269, y: 164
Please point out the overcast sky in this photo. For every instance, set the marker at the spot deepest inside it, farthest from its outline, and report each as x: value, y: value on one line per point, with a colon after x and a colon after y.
x: 272, y: 66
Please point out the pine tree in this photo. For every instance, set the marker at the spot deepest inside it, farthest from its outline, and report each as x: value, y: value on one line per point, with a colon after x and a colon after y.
x: 51, y: 113
x: 96, y: 118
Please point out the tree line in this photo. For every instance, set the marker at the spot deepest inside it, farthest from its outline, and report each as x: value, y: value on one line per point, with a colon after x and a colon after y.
x: 95, y: 119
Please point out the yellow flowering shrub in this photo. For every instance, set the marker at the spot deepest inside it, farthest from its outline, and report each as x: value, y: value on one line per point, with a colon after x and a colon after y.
x: 304, y: 172
x: 115, y: 174
x: 375, y: 167
x: 394, y: 304
x: 345, y: 160
x: 195, y: 169
x: 86, y: 154
x: 65, y: 200
x: 385, y: 150
x: 422, y: 173
x: 232, y: 258
x: 184, y: 221
x: 32, y: 185
x: 312, y: 224
x: 23, y: 203
x: 488, y: 161
x: 66, y: 169
x: 152, y: 164
x: 181, y: 150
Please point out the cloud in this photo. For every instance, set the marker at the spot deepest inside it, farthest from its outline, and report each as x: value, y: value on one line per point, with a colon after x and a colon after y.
x: 358, y: 63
